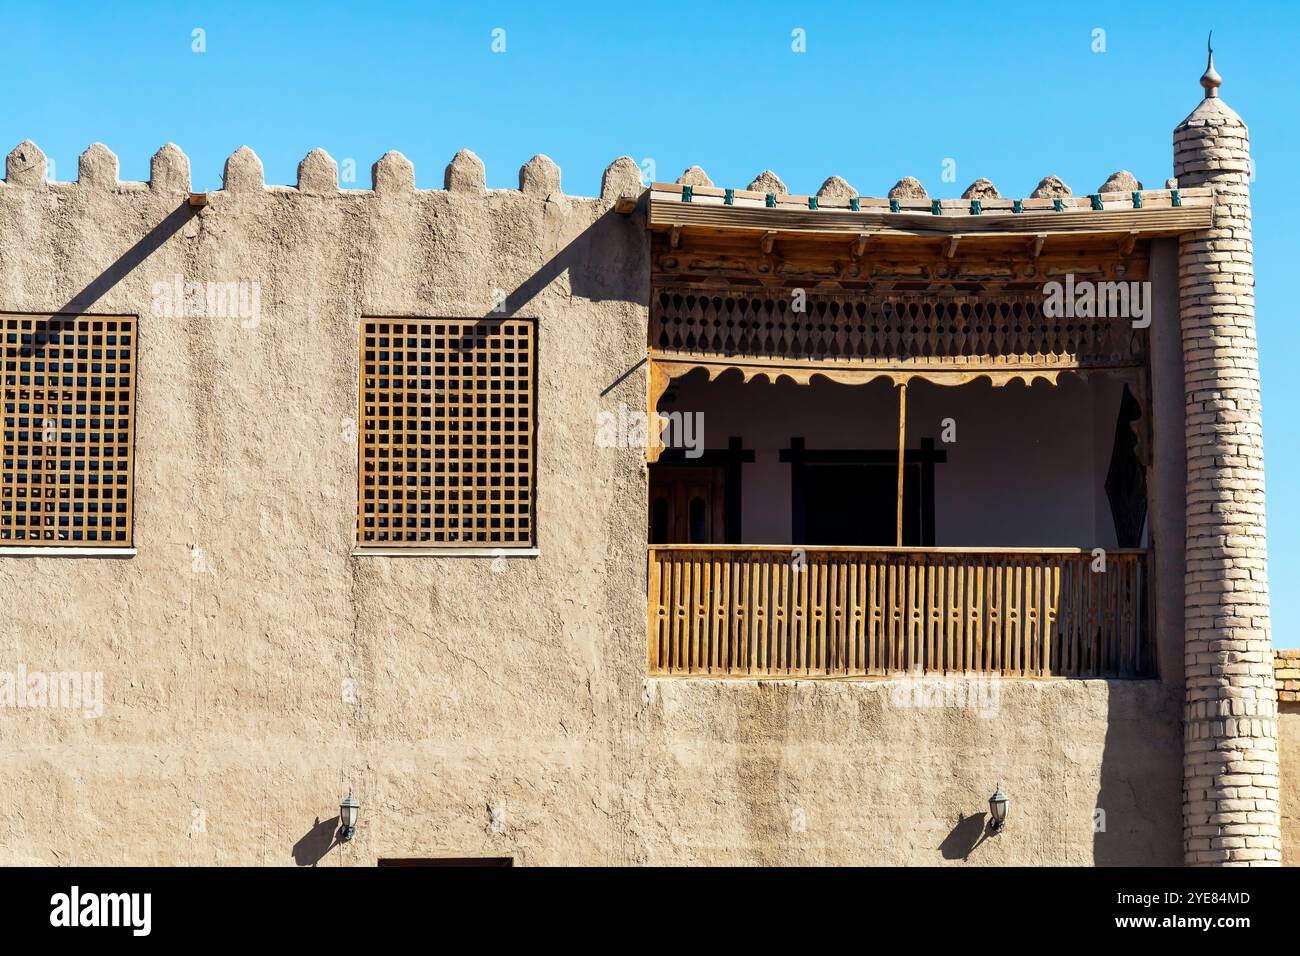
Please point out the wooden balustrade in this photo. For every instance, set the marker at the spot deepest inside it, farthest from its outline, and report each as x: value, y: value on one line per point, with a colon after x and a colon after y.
x: 764, y: 611
x: 903, y: 330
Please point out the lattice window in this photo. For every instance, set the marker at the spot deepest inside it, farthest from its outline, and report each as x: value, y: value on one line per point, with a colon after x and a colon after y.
x: 446, y: 444
x: 69, y: 393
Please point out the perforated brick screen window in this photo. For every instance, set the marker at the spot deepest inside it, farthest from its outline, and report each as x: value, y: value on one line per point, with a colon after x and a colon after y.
x: 69, y: 388
x: 446, y: 443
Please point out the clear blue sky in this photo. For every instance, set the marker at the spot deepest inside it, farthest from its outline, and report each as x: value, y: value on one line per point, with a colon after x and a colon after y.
x: 1011, y: 91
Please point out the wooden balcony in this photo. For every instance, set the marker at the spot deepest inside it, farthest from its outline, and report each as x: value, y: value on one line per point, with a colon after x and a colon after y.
x: 747, y: 611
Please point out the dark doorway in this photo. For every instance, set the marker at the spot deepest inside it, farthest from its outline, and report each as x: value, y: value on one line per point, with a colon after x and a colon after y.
x: 850, y: 496
x: 857, y: 505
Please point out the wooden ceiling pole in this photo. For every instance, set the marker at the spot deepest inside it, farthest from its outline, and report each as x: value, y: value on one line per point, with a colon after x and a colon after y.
x: 902, y: 445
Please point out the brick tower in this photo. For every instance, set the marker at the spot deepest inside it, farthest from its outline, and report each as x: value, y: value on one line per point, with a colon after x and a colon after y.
x: 1230, y: 761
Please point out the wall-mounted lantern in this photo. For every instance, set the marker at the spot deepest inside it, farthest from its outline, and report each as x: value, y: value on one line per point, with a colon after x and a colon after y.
x: 349, y: 809
x: 998, y: 810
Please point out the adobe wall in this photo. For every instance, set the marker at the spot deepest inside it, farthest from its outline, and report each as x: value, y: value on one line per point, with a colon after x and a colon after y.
x: 496, y: 712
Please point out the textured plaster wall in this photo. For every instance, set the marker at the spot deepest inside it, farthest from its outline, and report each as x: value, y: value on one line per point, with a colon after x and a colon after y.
x: 491, y: 712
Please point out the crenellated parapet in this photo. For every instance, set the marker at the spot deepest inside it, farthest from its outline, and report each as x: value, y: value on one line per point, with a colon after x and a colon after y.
x: 26, y: 167
x: 836, y: 192
x: 393, y: 174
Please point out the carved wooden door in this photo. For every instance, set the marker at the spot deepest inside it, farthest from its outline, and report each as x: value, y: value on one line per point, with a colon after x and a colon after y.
x: 686, y: 505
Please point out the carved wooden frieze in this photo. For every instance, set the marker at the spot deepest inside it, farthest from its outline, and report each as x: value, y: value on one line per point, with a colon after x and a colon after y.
x: 946, y: 331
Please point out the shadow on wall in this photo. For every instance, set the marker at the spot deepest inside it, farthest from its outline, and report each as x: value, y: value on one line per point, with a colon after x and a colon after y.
x: 599, y: 261
x: 316, y: 842
x: 965, y: 837
x: 1137, y: 820
x: 137, y: 254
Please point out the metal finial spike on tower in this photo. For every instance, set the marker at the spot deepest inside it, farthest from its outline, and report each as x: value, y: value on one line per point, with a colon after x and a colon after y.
x: 1210, y: 79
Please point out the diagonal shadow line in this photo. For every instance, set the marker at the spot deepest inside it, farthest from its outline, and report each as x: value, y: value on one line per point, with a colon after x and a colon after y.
x: 622, y: 378
x: 527, y: 290
x: 115, y: 273
x: 576, y: 258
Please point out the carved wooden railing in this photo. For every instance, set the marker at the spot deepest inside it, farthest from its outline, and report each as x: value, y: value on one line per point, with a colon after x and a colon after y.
x: 764, y: 611
x: 924, y: 330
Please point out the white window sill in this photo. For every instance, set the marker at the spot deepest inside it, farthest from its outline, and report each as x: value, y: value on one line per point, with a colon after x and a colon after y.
x: 445, y: 552
x: 68, y: 552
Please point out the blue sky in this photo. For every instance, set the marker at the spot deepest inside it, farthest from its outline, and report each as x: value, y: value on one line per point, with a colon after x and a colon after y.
x: 1011, y: 91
